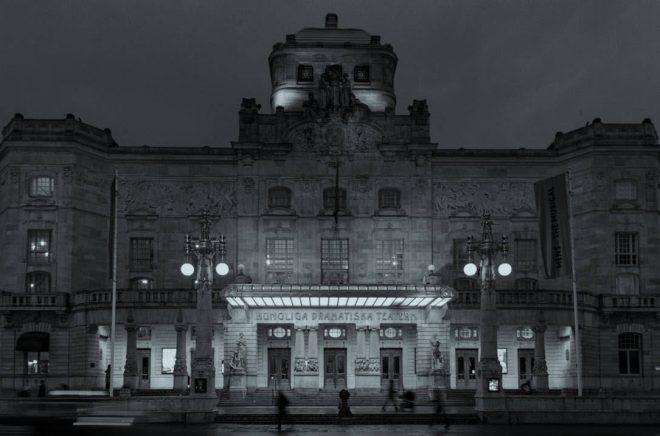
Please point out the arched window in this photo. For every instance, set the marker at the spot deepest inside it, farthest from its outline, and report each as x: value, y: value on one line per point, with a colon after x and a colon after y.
x: 389, y: 198
x: 527, y: 284
x: 329, y: 199
x: 35, y: 347
x: 279, y: 196
x: 37, y: 281
x: 42, y: 186
x: 625, y: 189
x: 630, y: 353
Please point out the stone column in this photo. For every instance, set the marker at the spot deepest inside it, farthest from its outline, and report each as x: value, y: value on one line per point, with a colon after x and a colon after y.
x: 299, y: 362
x: 299, y: 345
x: 374, y: 342
x: 313, y: 352
x: 540, y: 370
x: 131, y: 365
x: 361, y: 342
x: 180, y: 370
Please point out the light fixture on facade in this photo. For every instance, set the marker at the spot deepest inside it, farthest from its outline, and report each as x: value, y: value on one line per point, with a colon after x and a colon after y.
x: 222, y: 269
x: 187, y: 269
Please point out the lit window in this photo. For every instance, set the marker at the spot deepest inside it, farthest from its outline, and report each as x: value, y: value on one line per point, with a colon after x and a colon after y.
x: 334, y: 332
x: 42, y: 186
x: 305, y: 73
x: 389, y: 198
x: 630, y: 353
x: 525, y: 255
x: 37, y: 362
x: 279, y: 254
x: 142, y: 254
x: 389, y: 260
x: 39, y: 246
x: 142, y: 283
x: 334, y: 261
x: 391, y: 332
x: 329, y: 199
x: 279, y: 332
x: 361, y: 73
x: 625, y: 248
x: 279, y: 196
x: 625, y: 190
x: 38, y: 281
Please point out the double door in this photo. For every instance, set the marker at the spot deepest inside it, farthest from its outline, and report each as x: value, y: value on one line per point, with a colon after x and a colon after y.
x: 466, y: 368
x: 279, y: 368
x: 335, y: 368
x: 390, y: 368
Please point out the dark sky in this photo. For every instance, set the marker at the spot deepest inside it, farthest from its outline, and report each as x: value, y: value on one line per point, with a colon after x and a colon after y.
x: 503, y: 74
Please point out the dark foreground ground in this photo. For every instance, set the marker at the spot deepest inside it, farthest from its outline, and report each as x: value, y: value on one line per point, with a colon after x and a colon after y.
x: 308, y: 429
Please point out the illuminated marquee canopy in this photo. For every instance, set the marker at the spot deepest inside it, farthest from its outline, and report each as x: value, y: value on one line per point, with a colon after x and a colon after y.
x: 338, y: 296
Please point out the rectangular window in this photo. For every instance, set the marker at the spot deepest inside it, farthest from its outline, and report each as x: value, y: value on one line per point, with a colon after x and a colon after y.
x: 39, y: 246
x: 36, y: 362
x: 525, y: 255
x: 625, y: 190
x: 361, y: 73
x: 334, y: 261
x: 389, y: 260
x: 279, y: 254
x: 630, y: 348
x: 305, y: 73
x: 142, y: 254
x: 42, y: 186
x: 625, y: 248
x: 460, y: 254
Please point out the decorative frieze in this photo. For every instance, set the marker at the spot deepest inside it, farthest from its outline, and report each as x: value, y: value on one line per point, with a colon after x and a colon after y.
x: 367, y: 365
x: 472, y: 198
x: 308, y: 365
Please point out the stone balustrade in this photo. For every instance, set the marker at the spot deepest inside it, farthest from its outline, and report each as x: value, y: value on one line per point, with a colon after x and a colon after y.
x: 55, y: 301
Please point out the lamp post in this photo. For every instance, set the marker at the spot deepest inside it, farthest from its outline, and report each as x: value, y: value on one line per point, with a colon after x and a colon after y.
x: 205, y: 250
x: 489, y: 372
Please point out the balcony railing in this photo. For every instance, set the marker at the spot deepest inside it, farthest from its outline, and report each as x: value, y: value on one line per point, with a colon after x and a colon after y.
x: 629, y: 302
x: 523, y: 298
x: 54, y: 301
x: 141, y: 297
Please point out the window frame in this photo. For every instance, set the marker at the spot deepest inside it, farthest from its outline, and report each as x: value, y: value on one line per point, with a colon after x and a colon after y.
x: 34, y: 186
x: 286, y: 261
x: 278, y: 193
x: 329, y: 198
x: 363, y: 67
x: 523, y: 263
x: 335, y: 261
x: 37, y: 256
x: 630, y: 249
x: 383, y: 199
x: 627, y: 350
x: 631, y: 183
x: 140, y: 264
x: 300, y: 73
x: 36, y: 274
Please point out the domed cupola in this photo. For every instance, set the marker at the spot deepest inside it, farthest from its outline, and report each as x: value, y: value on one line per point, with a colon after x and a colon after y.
x: 317, y: 63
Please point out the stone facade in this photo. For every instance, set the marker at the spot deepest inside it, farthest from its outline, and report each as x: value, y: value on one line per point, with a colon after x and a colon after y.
x: 332, y: 161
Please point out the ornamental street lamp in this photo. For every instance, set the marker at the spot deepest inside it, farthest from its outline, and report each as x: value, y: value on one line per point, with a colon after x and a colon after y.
x: 489, y: 371
x: 205, y: 251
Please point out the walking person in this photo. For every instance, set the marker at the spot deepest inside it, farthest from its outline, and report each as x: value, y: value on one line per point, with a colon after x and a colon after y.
x: 439, y: 410
x: 391, y: 397
x: 281, y: 403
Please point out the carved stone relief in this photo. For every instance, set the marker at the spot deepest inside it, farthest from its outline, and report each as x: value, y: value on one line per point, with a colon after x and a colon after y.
x: 171, y: 198
x: 334, y: 138
x: 472, y: 198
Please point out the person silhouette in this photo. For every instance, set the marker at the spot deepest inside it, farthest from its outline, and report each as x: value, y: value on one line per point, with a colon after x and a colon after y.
x: 391, y: 397
x: 281, y: 403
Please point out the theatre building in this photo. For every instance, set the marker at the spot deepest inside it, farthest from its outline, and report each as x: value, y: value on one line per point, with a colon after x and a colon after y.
x: 345, y: 229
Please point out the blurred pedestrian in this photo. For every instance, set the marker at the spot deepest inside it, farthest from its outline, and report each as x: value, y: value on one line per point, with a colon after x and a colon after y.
x: 282, y: 403
x: 440, y: 412
x: 42, y: 389
x: 391, y: 397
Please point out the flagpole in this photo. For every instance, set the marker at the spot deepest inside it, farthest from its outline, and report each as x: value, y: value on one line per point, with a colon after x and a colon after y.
x: 114, y: 287
x: 578, y: 350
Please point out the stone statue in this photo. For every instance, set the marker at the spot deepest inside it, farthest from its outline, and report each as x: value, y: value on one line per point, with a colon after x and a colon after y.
x: 241, y: 350
x: 437, y: 362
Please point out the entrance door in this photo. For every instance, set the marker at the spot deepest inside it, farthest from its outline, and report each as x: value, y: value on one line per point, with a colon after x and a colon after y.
x: 390, y: 367
x: 279, y: 367
x: 144, y: 367
x: 466, y: 368
x: 525, y: 365
x: 335, y: 368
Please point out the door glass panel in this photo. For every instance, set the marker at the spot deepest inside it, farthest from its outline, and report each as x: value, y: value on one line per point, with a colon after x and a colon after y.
x: 285, y: 369
x: 473, y: 368
x: 395, y: 365
x: 461, y: 368
x: 340, y: 364
x: 523, y: 368
x: 385, y: 366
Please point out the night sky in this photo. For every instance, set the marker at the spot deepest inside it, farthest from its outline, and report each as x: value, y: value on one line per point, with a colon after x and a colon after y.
x: 503, y: 74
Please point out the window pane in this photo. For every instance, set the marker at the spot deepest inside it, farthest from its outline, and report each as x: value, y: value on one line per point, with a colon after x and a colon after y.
x: 625, y: 190
x: 525, y: 254
x: 634, y: 362
x: 39, y: 246
x: 334, y: 261
x: 38, y: 281
x: 141, y: 254
x: 42, y: 186
x: 625, y: 249
x: 329, y: 199
x: 361, y: 73
x: 279, y: 254
x: 305, y: 73
x: 389, y: 198
x: 623, y: 362
x: 279, y: 197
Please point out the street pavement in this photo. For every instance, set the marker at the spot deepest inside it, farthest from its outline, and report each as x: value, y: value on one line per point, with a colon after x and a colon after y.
x: 332, y: 430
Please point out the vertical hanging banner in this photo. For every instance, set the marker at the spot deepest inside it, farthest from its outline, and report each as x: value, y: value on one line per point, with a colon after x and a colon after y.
x: 554, y: 226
